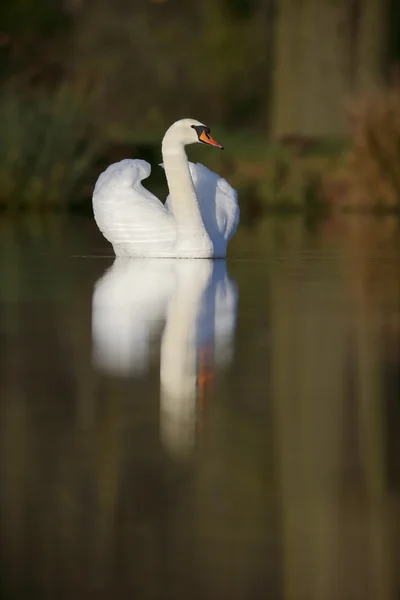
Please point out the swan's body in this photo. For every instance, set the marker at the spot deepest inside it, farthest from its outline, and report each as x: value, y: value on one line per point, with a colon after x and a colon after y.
x: 197, y: 221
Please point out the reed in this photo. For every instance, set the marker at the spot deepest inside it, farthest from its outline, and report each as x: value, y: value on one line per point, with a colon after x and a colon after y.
x: 371, y: 170
x: 47, y: 146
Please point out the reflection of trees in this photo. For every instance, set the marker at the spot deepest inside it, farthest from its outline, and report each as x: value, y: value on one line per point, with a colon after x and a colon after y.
x: 90, y: 503
x: 329, y: 411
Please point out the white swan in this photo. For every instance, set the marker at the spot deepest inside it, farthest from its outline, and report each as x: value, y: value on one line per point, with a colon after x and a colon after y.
x: 200, y: 215
x: 195, y: 302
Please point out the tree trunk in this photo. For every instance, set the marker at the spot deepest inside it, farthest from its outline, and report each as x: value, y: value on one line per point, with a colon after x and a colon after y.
x: 323, y: 51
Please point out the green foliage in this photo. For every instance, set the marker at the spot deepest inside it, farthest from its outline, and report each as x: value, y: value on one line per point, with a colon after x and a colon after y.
x: 19, y: 17
x: 157, y: 61
x: 162, y: 61
x: 47, y: 146
x: 32, y: 40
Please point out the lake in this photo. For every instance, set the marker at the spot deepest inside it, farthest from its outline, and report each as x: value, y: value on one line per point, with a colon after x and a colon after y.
x: 200, y: 429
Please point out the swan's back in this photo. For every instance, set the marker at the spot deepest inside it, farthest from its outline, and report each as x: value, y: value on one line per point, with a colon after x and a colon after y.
x: 129, y: 216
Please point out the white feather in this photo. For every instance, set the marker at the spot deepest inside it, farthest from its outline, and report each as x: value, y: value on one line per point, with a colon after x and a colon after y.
x: 137, y: 224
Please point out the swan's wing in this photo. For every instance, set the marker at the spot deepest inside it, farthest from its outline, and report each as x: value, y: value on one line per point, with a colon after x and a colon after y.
x: 128, y: 307
x: 217, y: 199
x: 125, y: 211
x: 210, y: 185
x: 123, y: 181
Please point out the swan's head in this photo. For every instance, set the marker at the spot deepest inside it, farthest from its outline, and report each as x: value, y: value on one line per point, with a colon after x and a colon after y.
x: 190, y: 131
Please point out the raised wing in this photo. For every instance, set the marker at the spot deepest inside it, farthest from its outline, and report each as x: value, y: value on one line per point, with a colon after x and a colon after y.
x: 125, y: 212
x: 210, y: 185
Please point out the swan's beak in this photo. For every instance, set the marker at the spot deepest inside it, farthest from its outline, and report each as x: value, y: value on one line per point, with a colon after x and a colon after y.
x: 207, y: 139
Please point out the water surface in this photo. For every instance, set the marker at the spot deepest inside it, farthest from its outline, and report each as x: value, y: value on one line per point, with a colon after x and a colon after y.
x: 200, y: 429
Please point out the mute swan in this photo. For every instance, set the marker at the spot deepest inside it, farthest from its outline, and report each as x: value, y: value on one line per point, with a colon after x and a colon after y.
x: 192, y: 305
x: 200, y: 215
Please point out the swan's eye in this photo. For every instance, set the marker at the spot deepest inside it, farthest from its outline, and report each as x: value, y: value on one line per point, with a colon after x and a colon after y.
x: 201, y: 130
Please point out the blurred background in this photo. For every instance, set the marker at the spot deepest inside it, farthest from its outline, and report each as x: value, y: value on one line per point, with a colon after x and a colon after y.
x: 304, y: 94
x: 221, y: 430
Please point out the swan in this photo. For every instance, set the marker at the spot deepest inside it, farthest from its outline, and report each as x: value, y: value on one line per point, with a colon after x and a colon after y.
x: 188, y: 309
x: 199, y: 217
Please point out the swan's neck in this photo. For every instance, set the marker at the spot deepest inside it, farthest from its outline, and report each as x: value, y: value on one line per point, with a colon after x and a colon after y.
x: 184, y: 200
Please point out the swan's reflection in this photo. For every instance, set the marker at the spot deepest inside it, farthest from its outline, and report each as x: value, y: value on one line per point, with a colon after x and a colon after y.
x: 197, y: 301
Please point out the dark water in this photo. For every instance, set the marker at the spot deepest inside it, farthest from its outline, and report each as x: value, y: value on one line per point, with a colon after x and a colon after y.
x: 200, y: 430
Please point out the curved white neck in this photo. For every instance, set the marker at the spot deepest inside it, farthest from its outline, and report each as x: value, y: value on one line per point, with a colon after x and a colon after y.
x: 183, y: 195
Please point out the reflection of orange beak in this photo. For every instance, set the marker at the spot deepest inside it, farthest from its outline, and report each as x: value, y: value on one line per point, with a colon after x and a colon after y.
x: 207, y: 139
x: 205, y: 374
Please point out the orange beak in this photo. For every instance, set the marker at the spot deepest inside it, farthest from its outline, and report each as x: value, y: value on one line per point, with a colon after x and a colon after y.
x: 207, y: 139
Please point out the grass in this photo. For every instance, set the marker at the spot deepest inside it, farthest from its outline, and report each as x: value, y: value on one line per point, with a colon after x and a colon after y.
x: 47, y: 146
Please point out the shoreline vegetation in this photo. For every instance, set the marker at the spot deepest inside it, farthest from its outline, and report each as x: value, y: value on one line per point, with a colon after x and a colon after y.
x: 292, y: 146
x: 52, y: 153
